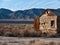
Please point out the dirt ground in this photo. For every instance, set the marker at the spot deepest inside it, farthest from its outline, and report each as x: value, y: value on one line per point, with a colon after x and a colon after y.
x: 28, y: 41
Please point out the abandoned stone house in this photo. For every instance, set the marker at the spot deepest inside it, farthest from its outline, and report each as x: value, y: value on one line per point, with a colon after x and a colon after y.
x: 47, y: 22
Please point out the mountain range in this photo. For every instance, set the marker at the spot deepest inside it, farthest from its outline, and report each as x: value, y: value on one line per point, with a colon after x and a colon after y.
x: 24, y: 14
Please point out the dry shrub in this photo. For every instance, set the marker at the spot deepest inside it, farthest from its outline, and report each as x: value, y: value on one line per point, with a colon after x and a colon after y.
x: 33, y: 41
x: 19, y: 30
x: 37, y: 42
x: 26, y: 33
x: 20, y: 34
x: 52, y: 43
x: 32, y: 33
x: 4, y: 44
x: 29, y: 33
x: 10, y: 34
x: 58, y: 43
x: 38, y: 33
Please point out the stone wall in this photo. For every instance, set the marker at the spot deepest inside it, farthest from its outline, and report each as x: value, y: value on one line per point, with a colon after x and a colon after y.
x: 45, y: 24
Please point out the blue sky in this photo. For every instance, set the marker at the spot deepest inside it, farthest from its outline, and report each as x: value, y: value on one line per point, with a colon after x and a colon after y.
x: 28, y: 4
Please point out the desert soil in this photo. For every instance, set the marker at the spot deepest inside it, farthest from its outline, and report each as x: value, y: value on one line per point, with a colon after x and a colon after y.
x: 27, y: 41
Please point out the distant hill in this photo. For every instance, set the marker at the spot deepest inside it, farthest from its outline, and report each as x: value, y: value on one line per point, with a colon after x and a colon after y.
x: 4, y: 13
x: 24, y: 14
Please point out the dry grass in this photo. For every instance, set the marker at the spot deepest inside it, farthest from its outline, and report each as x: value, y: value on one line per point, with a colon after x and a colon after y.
x: 20, y: 30
x: 27, y: 41
x: 52, y: 43
x: 34, y: 42
x: 15, y: 29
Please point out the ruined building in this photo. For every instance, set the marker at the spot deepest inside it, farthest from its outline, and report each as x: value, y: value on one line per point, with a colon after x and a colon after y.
x: 47, y: 23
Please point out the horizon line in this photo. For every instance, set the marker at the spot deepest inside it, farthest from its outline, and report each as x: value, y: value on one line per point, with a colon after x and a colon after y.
x: 29, y: 8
